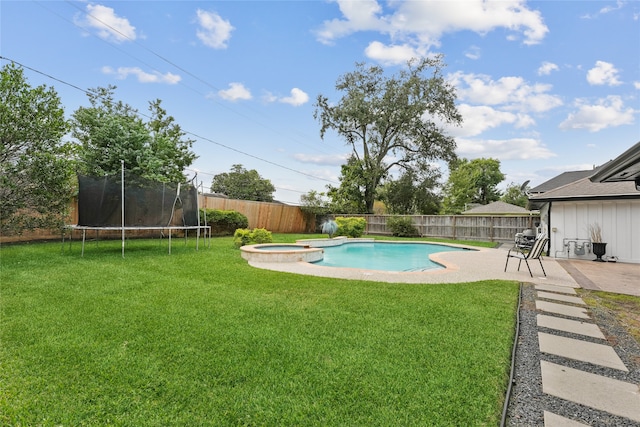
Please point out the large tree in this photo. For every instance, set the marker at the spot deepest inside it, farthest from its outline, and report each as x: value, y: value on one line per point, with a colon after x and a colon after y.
x: 471, y: 181
x: 348, y: 198
x: 243, y: 184
x: 111, y: 131
x: 392, y: 120
x: 412, y: 193
x: 35, y: 164
x: 516, y: 194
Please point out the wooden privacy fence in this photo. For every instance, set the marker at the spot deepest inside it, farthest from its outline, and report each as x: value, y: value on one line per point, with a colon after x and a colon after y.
x: 275, y: 217
x: 279, y: 218
x: 461, y: 227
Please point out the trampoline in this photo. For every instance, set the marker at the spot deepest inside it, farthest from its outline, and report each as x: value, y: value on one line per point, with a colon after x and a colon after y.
x: 127, y: 202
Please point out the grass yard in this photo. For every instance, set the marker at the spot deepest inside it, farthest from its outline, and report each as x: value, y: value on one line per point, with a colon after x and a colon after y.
x: 201, y: 338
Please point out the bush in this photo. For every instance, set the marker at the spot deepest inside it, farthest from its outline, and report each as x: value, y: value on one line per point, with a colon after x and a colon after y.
x: 351, y: 226
x: 223, y: 223
x: 244, y: 236
x: 402, y: 226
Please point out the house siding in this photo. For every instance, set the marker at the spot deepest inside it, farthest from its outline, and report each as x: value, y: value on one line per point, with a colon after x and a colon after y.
x: 619, y: 220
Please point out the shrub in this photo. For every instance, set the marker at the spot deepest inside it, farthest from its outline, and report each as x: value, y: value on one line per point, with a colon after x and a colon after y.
x: 402, y: 226
x: 351, y: 226
x: 223, y: 223
x: 244, y: 236
x: 261, y: 235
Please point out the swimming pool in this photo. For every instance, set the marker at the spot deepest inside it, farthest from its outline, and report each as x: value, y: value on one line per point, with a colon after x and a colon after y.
x: 385, y: 256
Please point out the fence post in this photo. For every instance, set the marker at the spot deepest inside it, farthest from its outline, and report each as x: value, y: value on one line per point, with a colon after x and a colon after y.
x: 454, y: 227
x: 491, y: 232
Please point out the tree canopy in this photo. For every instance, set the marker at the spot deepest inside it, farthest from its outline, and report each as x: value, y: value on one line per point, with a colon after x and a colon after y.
x: 111, y: 131
x: 391, y: 120
x: 36, y: 169
x: 516, y: 194
x: 412, y: 193
x: 474, y: 181
x: 243, y: 184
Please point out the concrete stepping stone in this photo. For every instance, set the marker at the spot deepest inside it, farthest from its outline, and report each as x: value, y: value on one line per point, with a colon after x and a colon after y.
x: 556, y: 288
x: 559, y: 297
x: 568, y: 325
x: 585, y: 351
x: 598, y: 392
x: 554, y: 420
x: 566, y: 310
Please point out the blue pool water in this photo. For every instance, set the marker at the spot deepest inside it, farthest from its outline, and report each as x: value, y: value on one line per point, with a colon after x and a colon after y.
x: 384, y: 256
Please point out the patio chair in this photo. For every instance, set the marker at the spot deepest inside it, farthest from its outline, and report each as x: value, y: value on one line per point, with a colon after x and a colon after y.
x: 526, y: 254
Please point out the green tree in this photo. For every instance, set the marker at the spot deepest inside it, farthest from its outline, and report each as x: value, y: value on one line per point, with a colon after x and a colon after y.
x: 392, y: 121
x: 314, y: 203
x: 412, y: 193
x: 349, y: 197
x: 516, y: 194
x: 243, y: 184
x: 474, y: 181
x: 111, y: 131
x: 36, y: 169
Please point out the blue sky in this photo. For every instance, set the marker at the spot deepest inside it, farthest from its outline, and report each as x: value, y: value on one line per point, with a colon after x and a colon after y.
x: 543, y: 86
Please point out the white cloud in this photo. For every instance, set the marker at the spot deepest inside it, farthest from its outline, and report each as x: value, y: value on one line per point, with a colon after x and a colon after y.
x: 473, y: 52
x: 603, y: 73
x: 607, y: 112
x: 360, y: 16
x: 636, y: 85
x: 393, y: 54
x: 546, y: 68
x: 478, y: 119
x: 143, y: 77
x: 507, y: 149
x: 326, y: 160
x: 108, y: 25
x: 512, y: 93
x: 214, y: 31
x: 419, y: 25
x: 236, y: 92
x: 297, y: 98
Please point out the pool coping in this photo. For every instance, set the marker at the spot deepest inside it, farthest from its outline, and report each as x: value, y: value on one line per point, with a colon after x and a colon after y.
x: 460, y: 266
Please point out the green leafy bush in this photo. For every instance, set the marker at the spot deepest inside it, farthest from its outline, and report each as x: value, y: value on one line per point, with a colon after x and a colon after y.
x: 402, y: 226
x: 261, y: 235
x: 351, y: 226
x: 223, y: 223
x: 244, y: 236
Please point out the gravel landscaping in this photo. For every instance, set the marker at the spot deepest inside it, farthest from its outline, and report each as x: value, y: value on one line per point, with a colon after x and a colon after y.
x: 528, y: 402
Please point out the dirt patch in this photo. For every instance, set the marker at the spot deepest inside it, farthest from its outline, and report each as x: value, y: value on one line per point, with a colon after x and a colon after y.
x: 625, y: 308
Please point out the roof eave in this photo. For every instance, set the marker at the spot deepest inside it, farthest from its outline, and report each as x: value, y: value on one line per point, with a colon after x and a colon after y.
x: 625, y: 167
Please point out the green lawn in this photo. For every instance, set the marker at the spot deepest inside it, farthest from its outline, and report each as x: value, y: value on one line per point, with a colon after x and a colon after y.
x: 200, y: 338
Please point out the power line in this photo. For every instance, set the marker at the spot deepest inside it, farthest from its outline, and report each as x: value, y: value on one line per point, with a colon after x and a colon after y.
x: 184, y: 70
x: 185, y: 131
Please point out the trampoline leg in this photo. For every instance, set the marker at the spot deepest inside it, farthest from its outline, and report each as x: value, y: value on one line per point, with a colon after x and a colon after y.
x: 169, y: 241
x: 84, y: 235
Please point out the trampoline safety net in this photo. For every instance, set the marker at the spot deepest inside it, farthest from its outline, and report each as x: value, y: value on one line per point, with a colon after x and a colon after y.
x: 147, y: 203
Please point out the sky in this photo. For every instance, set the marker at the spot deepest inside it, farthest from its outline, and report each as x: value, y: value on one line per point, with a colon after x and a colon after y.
x: 543, y: 86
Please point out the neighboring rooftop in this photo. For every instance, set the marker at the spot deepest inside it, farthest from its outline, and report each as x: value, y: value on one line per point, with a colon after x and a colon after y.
x: 497, y: 208
x: 561, y: 180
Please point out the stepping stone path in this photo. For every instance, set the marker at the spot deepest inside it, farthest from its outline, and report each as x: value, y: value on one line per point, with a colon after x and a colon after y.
x: 561, y: 311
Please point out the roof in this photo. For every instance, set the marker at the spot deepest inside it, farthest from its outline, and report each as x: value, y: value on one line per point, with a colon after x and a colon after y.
x: 625, y: 167
x: 497, y: 208
x: 561, y: 180
x: 584, y: 189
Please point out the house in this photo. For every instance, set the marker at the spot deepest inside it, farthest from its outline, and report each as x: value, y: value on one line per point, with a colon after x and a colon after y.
x: 599, y: 197
x: 626, y: 167
x: 498, y: 208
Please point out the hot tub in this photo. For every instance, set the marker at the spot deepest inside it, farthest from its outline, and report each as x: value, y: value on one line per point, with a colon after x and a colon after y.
x: 281, y: 252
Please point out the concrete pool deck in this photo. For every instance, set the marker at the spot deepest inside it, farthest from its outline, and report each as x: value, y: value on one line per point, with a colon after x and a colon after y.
x: 461, y: 266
